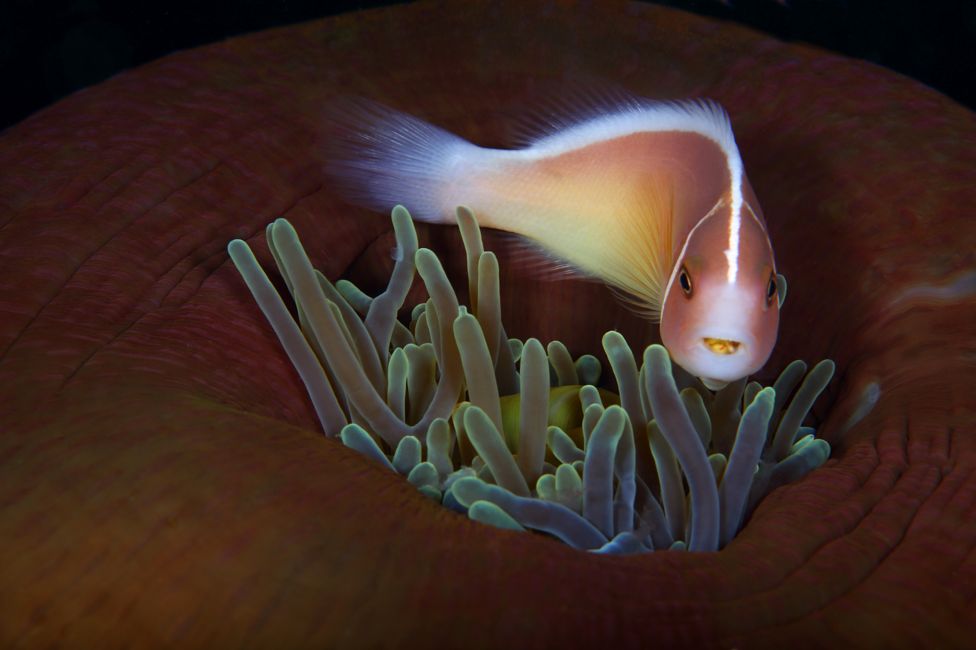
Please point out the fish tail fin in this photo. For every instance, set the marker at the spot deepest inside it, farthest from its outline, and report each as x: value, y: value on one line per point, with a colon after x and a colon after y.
x: 378, y: 157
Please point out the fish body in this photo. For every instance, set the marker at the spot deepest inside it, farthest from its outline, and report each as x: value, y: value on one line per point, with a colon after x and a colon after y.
x: 649, y: 197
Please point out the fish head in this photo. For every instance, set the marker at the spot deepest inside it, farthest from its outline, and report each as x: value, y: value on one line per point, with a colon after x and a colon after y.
x: 720, y: 314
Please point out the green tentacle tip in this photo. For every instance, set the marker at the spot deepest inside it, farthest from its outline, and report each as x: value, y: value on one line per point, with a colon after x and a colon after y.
x: 407, y: 455
x: 423, y: 474
x: 588, y: 369
x: 404, y: 231
x: 545, y: 487
x: 355, y: 437
x: 486, y: 512
x: 610, y: 476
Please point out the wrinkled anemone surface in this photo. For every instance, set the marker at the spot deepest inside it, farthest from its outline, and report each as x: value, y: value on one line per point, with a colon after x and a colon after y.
x: 390, y: 392
x: 163, y: 476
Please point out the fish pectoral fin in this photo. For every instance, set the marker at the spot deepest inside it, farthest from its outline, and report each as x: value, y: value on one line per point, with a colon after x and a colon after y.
x: 524, y: 256
x: 781, y: 289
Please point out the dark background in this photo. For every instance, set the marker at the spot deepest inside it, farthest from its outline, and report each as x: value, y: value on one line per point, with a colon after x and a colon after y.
x: 50, y: 49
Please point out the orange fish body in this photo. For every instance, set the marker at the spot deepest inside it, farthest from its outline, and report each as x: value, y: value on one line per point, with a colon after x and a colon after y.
x: 651, y: 198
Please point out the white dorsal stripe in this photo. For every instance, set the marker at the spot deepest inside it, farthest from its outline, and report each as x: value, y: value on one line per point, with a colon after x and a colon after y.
x: 735, y: 221
x: 704, y: 117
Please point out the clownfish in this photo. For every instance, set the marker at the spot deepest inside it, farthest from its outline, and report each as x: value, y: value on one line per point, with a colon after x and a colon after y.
x: 650, y: 197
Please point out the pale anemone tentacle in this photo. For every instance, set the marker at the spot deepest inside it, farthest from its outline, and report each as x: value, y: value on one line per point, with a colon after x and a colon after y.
x: 623, y: 544
x: 789, y: 425
x: 545, y: 487
x: 382, y: 314
x: 489, y: 304
x: 579, y: 479
x: 677, y: 429
x: 552, y: 518
x: 488, y: 442
x: 625, y: 467
x: 476, y: 361
x: 568, y: 487
x: 356, y: 331
x: 625, y: 370
x: 353, y: 295
x: 484, y: 296
x: 698, y: 414
x: 588, y: 369
x: 396, y: 383
x: 353, y: 327
x: 355, y: 437
x: 562, y: 363
x: 424, y: 475
x: 343, y: 360
x: 296, y: 346
x: 749, y: 393
x: 563, y: 446
x: 591, y: 416
x: 407, y: 454
x: 798, y: 463
x: 598, y: 469
x: 533, y: 413
x: 421, y: 378
x: 590, y: 396
x: 734, y: 488
x: 487, y: 512
x: 671, y: 488
x: 442, y: 308
x: 473, y: 248
x: 439, y: 443
x: 360, y: 302
x: 785, y: 385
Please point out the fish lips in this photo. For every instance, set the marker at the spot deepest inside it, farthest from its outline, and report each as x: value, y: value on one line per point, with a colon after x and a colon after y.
x: 721, y: 355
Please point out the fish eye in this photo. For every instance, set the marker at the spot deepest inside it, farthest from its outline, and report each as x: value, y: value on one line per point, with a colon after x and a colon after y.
x: 771, y: 288
x: 684, y: 279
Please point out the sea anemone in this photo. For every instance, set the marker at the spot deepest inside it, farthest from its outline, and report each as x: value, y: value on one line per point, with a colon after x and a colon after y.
x: 393, y: 397
x: 165, y: 481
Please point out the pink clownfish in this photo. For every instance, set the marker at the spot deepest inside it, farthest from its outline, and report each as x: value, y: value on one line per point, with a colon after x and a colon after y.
x: 650, y: 197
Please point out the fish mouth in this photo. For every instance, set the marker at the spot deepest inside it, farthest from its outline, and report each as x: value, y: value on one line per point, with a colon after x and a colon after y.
x: 719, y: 356
x: 721, y: 346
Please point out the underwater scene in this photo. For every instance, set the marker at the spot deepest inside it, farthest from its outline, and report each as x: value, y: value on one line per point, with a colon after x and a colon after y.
x: 488, y: 324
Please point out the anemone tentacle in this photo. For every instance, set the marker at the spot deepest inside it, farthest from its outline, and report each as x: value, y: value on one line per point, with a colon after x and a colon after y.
x: 432, y: 402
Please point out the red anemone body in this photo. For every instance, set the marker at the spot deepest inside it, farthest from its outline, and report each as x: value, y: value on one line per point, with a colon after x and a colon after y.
x: 162, y: 477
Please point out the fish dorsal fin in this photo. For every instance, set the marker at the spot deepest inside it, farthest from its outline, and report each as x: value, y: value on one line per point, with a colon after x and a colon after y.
x: 552, y: 106
x: 611, y: 110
